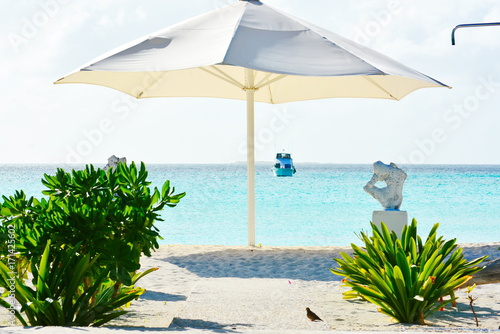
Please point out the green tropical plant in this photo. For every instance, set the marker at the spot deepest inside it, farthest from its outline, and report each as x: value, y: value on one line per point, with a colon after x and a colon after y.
x: 59, y: 297
x: 110, y: 213
x: 405, y: 277
x: 82, y: 244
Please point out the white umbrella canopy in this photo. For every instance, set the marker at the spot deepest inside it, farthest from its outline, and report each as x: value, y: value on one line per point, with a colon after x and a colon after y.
x: 253, y: 52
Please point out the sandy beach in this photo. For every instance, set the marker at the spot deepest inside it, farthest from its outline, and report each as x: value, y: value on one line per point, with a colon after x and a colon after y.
x: 238, y: 289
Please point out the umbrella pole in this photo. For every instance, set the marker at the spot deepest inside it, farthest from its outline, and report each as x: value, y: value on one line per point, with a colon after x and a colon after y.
x: 250, y: 91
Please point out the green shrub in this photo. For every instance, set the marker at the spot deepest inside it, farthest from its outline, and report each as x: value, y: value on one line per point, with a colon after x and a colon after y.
x: 405, y: 277
x: 109, y: 213
x: 58, y: 295
x: 104, y: 218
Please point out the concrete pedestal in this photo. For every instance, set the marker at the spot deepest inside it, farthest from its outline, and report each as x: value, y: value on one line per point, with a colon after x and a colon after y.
x: 394, y: 220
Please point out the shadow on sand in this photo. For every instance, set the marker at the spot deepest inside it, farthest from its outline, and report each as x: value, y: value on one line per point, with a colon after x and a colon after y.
x: 155, y: 295
x: 189, y: 324
x: 300, y: 264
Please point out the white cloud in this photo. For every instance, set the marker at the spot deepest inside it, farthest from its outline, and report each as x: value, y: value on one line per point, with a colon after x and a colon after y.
x: 120, y: 16
x: 104, y: 21
x: 141, y: 14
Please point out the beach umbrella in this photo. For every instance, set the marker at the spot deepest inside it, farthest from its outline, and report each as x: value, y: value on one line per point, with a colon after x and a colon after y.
x: 254, y: 52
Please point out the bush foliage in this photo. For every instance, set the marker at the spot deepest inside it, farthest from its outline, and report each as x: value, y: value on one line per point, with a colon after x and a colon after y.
x: 82, y: 244
x: 406, y: 278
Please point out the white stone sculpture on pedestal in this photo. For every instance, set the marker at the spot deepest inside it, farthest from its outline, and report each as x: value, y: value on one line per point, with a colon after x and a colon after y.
x: 390, y: 196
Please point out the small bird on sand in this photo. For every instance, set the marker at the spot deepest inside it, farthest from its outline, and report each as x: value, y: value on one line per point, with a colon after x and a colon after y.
x: 312, y: 316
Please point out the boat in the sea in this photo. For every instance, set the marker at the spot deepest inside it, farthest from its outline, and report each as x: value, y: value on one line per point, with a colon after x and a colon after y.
x: 284, y: 165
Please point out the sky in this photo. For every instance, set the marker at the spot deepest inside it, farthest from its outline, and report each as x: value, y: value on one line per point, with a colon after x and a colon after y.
x: 42, y: 41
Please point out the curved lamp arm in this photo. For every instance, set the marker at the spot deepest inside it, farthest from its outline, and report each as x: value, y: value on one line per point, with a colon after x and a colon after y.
x: 471, y: 25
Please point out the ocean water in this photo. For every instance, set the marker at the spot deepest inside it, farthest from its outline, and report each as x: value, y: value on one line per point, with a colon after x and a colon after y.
x: 321, y: 205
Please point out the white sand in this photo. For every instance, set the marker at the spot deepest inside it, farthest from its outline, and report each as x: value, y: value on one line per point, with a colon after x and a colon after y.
x: 225, y: 289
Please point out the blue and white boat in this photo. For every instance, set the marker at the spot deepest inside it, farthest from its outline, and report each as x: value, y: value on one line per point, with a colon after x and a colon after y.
x: 284, y: 165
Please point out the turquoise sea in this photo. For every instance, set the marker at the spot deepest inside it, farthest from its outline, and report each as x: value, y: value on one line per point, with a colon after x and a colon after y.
x: 322, y: 205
